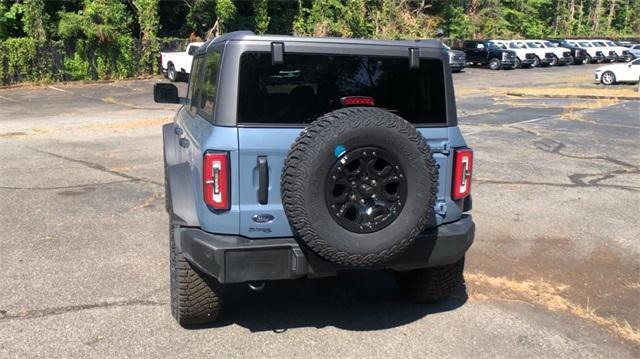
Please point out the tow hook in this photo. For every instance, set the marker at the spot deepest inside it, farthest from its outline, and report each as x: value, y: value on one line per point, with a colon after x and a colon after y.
x: 256, y: 286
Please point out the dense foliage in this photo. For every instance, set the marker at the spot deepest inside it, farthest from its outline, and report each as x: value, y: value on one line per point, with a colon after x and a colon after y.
x: 99, y: 39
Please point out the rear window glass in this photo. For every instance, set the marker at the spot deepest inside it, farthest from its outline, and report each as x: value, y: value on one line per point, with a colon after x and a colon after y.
x: 307, y: 86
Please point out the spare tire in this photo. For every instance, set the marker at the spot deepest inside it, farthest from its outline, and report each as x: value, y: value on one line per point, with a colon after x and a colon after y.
x: 359, y: 185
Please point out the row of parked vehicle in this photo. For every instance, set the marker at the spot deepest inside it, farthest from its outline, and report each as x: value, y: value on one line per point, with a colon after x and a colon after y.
x: 498, y: 54
x: 507, y: 54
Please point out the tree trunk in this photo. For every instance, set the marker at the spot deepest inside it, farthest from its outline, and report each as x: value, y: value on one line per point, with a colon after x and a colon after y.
x: 556, y: 16
x: 580, y: 13
x: 596, y: 16
x: 612, y: 13
x: 572, y: 14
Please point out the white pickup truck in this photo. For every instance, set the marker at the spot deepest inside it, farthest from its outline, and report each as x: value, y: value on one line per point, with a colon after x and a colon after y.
x: 562, y: 56
x: 175, y: 64
x: 617, y: 53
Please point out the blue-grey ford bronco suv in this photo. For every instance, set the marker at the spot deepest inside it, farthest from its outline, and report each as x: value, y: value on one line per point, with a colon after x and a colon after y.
x: 296, y: 157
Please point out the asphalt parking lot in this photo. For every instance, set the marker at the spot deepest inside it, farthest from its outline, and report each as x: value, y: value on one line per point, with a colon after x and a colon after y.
x: 554, y: 270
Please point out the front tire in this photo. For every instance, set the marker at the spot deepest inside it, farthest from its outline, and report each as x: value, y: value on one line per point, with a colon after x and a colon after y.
x: 195, y: 297
x: 431, y: 285
x: 495, y: 64
x: 554, y: 61
x: 518, y: 64
x: 608, y: 78
x: 587, y: 59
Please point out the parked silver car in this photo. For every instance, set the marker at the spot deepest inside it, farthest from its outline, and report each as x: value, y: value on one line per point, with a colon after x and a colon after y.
x: 635, y: 50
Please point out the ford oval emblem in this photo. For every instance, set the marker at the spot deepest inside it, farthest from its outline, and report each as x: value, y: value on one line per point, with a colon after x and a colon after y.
x: 263, y: 218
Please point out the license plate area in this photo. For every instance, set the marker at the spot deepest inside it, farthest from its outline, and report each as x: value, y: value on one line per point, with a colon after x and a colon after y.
x: 262, y: 264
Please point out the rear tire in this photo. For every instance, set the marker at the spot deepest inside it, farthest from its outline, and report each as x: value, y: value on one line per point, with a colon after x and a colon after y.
x: 536, y: 62
x: 431, y: 285
x: 195, y: 297
x: 608, y: 78
x: 495, y: 64
x: 172, y: 74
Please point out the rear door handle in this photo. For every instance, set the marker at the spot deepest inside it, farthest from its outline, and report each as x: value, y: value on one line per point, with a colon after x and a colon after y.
x: 177, y: 130
x: 263, y: 180
x: 184, y: 142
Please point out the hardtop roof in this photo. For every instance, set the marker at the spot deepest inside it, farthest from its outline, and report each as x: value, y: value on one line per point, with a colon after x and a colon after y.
x: 250, y: 36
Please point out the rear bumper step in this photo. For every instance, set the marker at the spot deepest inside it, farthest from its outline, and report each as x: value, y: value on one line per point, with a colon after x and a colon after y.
x: 235, y: 259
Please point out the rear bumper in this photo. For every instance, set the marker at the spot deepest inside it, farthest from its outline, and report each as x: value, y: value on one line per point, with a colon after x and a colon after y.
x: 234, y: 259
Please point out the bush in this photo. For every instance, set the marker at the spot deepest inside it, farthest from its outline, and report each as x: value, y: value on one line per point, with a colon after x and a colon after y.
x: 27, y: 59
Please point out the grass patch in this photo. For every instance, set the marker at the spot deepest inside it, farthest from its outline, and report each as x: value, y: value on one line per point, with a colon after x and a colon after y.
x: 564, y: 92
x: 545, y: 294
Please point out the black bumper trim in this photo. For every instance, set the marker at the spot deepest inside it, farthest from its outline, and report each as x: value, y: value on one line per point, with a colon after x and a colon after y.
x: 234, y: 259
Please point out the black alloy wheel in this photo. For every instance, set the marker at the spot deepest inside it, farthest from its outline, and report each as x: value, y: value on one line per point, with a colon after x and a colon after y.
x: 365, y: 190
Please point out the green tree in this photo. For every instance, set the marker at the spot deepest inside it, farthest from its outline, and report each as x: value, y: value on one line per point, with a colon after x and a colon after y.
x: 149, y: 21
x: 101, y: 32
x: 35, y: 20
x: 201, y: 15
x: 10, y: 19
x: 225, y: 13
x: 261, y: 15
x: 459, y: 25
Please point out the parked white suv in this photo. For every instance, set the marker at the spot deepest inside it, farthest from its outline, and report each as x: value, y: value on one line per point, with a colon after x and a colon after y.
x: 175, y: 64
x: 562, y: 55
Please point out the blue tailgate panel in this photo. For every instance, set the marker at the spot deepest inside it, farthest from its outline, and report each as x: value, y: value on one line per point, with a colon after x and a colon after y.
x: 275, y: 143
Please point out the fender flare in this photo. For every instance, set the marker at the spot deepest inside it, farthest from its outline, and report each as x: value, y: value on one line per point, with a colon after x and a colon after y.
x: 182, y: 195
x: 169, y: 143
x: 180, y: 190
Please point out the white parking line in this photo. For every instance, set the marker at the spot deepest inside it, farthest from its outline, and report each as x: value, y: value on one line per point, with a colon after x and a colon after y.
x: 8, y: 99
x: 534, y: 120
x: 57, y: 89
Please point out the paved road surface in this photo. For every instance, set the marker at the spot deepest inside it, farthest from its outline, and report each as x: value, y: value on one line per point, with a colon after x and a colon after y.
x: 554, y: 271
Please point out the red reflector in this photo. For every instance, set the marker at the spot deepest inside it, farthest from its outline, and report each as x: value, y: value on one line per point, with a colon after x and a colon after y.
x: 215, y: 179
x: 357, y: 101
x: 463, y: 165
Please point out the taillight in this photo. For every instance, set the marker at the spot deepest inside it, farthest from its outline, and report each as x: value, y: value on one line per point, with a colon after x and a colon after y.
x: 358, y: 101
x: 463, y: 164
x: 215, y: 179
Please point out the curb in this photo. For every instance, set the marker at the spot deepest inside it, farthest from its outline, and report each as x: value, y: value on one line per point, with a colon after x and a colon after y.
x: 587, y: 97
x: 79, y: 82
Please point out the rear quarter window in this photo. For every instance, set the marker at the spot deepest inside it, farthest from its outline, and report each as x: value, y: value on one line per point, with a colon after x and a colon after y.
x: 309, y: 85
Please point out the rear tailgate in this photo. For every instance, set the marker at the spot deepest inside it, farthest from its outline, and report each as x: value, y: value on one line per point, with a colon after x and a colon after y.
x: 269, y: 220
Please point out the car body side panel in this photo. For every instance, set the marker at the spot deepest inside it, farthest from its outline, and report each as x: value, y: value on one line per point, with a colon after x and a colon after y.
x: 203, y: 136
